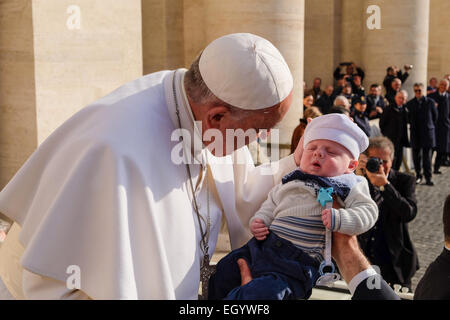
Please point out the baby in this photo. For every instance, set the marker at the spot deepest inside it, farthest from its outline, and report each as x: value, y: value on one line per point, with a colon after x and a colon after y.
x: 289, y: 228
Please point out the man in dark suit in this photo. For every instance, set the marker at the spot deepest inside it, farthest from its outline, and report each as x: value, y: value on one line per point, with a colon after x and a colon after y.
x: 375, y: 102
x: 396, y: 86
x: 325, y: 102
x: 393, y: 72
x: 393, y: 124
x: 388, y: 244
x: 357, y: 87
x: 435, y: 283
x: 315, y: 91
x: 442, y: 99
x: 422, y: 117
x: 350, y: 70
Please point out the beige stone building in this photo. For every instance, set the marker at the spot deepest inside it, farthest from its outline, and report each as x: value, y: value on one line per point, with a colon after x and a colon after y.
x: 56, y: 56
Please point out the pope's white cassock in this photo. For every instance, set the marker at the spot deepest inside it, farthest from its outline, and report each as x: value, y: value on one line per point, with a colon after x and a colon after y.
x: 104, y: 194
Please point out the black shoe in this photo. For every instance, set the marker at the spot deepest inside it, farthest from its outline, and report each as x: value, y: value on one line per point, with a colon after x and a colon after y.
x: 446, y: 163
x: 429, y: 183
x: 437, y: 172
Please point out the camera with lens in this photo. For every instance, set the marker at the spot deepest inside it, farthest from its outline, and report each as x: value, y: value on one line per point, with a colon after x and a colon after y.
x: 373, y: 164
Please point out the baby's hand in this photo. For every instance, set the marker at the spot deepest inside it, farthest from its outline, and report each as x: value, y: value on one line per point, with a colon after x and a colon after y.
x: 259, y: 229
x: 326, y: 218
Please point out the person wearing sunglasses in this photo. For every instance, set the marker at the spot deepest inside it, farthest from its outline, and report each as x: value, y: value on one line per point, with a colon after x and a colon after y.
x: 422, y: 119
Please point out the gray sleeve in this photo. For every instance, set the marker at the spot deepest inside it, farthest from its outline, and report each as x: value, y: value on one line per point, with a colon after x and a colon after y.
x: 267, y: 210
x: 360, y: 212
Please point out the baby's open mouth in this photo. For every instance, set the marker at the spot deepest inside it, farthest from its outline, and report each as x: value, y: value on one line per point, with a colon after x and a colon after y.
x: 316, y: 164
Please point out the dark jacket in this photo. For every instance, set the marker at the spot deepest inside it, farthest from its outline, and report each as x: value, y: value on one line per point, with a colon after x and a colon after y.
x: 397, y: 206
x: 388, y: 81
x: 337, y: 73
x: 443, y: 121
x: 361, y: 120
x: 383, y: 292
x: 422, y: 117
x: 325, y: 103
x: 316, y: 93
x: 372, y: 104
x: 393, y: 124
x: 435, y: 283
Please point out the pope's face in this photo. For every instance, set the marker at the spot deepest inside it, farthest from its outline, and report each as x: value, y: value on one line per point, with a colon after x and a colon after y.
x: 234, y: 127
x: 326, y: 158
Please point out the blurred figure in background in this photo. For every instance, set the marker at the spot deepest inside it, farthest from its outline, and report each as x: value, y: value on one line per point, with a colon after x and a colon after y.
x: 357, y: 112
x: 394, y: 125
x: 393, y: 72
x: 422, y: 117
x: 395, y: 87
x: 325, y: 102
x: 315, y: 91
x: 310, y: 113
x: 442, y: 99
x: 308, y: 101
x: 375, y: 102
x: 433, y: 86
x: 435, y: 283
x: 342, y: 101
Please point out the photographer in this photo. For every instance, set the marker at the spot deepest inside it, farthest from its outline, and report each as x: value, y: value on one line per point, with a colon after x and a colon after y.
x: 388, y: 244
x: 350, y: 70
x: 393, y: 72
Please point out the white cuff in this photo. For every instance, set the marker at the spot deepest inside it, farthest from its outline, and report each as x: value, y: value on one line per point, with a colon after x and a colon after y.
x: 360, y: 277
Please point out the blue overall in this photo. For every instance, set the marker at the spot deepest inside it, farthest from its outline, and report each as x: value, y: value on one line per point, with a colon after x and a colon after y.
x: 280, y: 271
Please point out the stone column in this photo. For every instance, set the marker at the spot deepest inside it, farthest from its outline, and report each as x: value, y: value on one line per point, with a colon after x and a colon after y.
x: 402, y: 39
x: 279, y: 21
x: 322, y: 40
x: 162, y: 35
x: 56, y: 57
x: 439, y: 46
x: 351, y: 26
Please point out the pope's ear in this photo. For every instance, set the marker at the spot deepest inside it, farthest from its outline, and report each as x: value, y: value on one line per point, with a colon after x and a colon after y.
x: 215, y: 115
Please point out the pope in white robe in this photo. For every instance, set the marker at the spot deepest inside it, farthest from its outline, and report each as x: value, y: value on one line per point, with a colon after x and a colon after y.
x: 103, y: 193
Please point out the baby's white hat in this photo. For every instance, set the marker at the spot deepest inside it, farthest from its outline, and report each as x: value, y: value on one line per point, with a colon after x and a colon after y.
x: 339, y: 128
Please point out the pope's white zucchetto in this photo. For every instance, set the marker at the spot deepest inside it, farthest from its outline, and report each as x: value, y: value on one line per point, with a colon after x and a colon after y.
x: 338, y: 128
x: 246, y: 71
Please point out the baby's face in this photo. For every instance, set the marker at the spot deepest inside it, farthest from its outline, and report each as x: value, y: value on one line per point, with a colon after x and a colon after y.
x: 326, y: 158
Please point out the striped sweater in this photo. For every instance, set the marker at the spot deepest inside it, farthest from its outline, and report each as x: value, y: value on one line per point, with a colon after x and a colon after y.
x: 292, y: 211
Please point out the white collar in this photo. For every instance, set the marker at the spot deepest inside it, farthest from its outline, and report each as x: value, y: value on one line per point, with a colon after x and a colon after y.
x: 446, y: 247
x: 186, y: 116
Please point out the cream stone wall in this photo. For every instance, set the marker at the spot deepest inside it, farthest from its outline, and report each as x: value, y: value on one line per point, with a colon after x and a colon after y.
x: 18, y: 130
x: 54, y: 62
x: 352, y: 25
x: 402, y: 39
x: 322, y: 40
x: 162, y: 35
x: 439, y: 46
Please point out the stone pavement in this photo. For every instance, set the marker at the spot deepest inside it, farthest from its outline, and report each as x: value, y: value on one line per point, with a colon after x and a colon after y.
x: 426, y: 230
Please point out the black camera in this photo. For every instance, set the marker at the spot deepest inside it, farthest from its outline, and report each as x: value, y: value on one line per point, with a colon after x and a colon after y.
x: 373, y: 164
